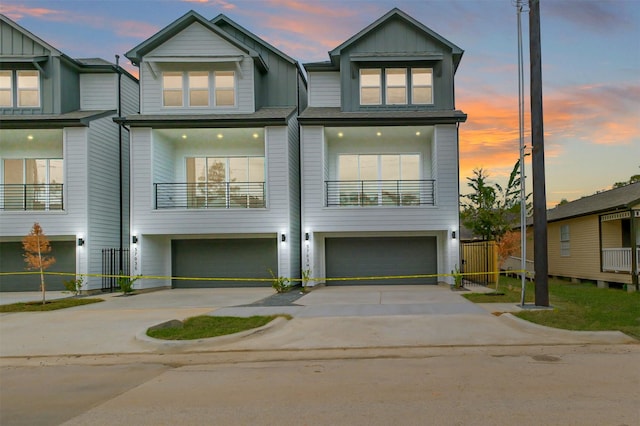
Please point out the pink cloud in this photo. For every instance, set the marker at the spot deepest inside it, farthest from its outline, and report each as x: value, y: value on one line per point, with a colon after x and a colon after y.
x: 216, y: 3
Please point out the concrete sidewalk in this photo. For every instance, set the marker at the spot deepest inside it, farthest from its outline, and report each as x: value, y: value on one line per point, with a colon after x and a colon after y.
x: 327, y: 317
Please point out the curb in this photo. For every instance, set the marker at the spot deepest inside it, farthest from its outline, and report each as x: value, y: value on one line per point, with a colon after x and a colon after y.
x: 607, y: 337
x: 217, y: 340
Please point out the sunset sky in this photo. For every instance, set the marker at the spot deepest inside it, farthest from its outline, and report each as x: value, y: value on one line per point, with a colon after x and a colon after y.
x: 590, y: 57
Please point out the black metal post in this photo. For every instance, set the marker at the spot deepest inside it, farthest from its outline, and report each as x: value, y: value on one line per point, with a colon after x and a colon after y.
x: 541, y: 261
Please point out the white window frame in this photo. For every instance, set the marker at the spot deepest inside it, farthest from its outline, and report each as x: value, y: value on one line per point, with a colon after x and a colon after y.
x: 414, y: 85
x: 565, y: 241
x: 8, y: 88
x: 193, y: 88
x: 20, y: 89
x: 218, y: 87
x: 173, y: 90
x: 392, y: 71
x: 377, y: 86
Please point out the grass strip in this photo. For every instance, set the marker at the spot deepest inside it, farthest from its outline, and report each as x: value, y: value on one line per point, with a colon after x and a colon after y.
x: 204, y: 326
x: 50, y: 305
x: 576, y: 306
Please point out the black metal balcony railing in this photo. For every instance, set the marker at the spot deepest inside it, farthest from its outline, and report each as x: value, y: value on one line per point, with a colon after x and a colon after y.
x: 380, y: 193
x: 216, y: 195
x: 32, y: 196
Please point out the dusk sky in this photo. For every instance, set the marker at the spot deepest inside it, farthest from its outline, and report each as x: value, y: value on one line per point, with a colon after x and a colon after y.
x: 590, y: 58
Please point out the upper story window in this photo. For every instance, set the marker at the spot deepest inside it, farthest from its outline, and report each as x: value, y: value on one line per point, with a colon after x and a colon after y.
x: 225, y: 86
x: 396, y: 79
x: 28, y: 88
x: 422, y: 85
x: 27, y: 84
x: 196, y: 86
x: 400, y: 86
x: 370, y: 84
x: 6, y: 96
x: 199, y: 88
x: 172, y: 89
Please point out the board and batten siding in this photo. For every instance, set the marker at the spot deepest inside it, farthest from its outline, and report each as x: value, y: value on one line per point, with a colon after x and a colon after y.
x: 192, y: 43
x: 324, y: 89
x: 98, y: 91
x: 294, y: 197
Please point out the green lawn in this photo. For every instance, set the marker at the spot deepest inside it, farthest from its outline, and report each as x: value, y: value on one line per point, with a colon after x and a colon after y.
x: 50, y: 305
x: 204, y: 326
x: 576, y: 306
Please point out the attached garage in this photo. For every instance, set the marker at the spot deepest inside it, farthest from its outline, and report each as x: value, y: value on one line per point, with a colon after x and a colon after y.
x: 381, y: 256
x: 11, y: 260
x: 224, y: 258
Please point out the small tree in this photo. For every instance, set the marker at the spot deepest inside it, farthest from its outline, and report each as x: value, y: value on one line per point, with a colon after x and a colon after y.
x: 507, y: 245
x: 36, y: 249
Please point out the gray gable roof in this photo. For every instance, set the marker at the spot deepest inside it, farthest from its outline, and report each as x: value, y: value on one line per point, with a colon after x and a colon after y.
x: 136, y: 54
x: 396, y: 13
x: 615, y: 199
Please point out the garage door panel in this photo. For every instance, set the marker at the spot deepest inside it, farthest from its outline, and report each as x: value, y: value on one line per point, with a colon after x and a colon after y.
x: 223, y: 258
x: 12, y: 260
x: 381, y: 256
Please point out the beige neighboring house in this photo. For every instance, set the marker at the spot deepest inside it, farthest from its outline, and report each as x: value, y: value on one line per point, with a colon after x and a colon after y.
x: 594, y: 238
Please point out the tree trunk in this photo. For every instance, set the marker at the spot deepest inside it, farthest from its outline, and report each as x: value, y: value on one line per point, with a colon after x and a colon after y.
x: 42, y: 287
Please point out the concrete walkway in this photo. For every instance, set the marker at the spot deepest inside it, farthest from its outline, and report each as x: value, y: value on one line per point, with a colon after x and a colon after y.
x: 326, y: 318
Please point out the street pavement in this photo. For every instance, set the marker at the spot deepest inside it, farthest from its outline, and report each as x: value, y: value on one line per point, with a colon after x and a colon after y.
x: 325, y: 318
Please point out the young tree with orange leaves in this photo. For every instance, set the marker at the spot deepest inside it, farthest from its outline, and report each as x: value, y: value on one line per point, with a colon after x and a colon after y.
x: 36, y: 249
x: 507, y: 245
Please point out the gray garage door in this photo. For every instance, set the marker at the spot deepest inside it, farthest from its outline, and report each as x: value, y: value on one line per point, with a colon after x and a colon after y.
x: 381, y: 256
x: 227, y: 258
x: 11, y: 260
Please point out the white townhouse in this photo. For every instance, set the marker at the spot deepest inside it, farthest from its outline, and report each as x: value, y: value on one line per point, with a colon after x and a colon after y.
x: 379, y: 150
x: 63, y: 161
x: 215, y: 188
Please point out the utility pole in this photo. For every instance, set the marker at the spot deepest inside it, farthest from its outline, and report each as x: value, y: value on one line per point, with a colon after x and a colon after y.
x: 541, y: 262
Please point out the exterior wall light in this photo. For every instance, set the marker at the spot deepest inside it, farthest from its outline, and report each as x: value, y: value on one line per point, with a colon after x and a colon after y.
x: 306, y: 236
x: 134, y: 239
x: 453, y: 235
x: 283, y: 238
x: 80, y: 242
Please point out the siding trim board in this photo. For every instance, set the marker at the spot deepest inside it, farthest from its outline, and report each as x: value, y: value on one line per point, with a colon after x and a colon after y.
x: 57, y: 121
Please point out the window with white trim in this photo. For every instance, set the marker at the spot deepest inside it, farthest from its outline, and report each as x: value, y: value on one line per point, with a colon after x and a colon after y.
x: 370, y: 86
x: 421, y: 86
x: 6, y: 89
x: 396, y: 85
x: 400, y: 86
x: 28, y: 85
x: 225, y: 88
x: 565, y: 241
x: 172, y: 89
x: 199, y: 89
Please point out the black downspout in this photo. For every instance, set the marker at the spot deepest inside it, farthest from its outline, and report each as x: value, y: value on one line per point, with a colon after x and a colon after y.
x: 119, y: 71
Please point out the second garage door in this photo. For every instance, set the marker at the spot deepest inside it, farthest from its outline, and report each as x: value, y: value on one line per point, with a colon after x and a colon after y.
x: 381, y: 256
x: 229, y: 258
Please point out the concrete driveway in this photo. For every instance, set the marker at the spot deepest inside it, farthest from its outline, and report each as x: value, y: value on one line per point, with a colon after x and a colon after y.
x: 328, y: 317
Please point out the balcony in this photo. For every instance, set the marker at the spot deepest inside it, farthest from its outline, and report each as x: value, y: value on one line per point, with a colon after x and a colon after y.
x: 209, y: 195
x: 47, y: 197
x: 369, y: 193
x: 618, y: 259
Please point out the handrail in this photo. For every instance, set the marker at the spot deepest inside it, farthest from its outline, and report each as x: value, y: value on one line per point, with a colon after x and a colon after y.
x: 199, y: 195
x: 32, y: 196
x: 343, y: 193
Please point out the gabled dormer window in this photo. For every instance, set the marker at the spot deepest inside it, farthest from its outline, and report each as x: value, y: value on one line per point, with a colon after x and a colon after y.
x: 199, y: 89
x: 172, y: 89
x: 225, y: 83
x: 195, y: 89
x: 370, y: 84
x: 6, y: 92
x: 400, y: 86
x: 27, y: 89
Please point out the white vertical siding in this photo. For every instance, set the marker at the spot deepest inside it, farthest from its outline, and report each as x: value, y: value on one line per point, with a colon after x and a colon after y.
x: 294, y: 197
x: 324, y: 89
x: 98, y: 91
